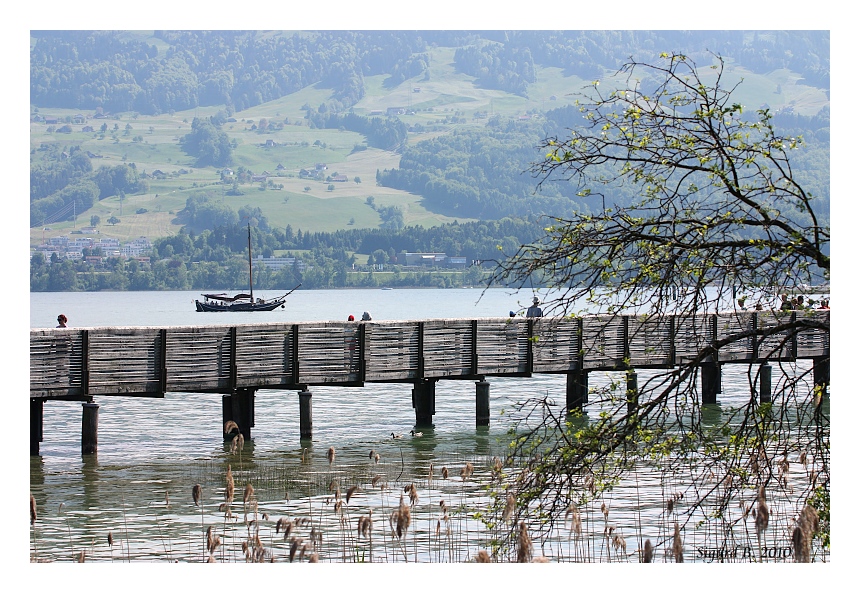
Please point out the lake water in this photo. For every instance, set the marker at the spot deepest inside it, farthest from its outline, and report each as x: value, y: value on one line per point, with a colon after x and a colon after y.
x: 151, y: 453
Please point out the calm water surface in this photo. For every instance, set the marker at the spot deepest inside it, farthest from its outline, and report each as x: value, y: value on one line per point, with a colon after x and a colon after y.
x: 152, y: 452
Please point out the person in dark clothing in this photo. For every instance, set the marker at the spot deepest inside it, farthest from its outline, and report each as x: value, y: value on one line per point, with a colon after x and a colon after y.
x: 534, y: 310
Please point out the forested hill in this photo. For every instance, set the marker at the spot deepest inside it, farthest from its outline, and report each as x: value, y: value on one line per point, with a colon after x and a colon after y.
x: 279, y: 101
x: 177, y: 70
x: 483, y: 172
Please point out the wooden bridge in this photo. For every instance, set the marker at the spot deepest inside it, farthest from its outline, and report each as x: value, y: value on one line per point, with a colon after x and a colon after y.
x: 82, y: 364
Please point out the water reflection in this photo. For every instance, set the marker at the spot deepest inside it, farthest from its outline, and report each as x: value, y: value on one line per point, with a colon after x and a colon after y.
x: 482, y: 441
x: 712, y: 415
x: 90, y: 481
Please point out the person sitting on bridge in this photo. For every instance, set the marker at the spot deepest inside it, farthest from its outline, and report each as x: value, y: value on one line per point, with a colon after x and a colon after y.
x: 366, y: 316
x: 534, y: 310
x: 62, y: 319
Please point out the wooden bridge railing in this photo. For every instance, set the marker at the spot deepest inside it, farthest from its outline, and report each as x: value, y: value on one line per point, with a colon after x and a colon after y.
x: 149, y: 361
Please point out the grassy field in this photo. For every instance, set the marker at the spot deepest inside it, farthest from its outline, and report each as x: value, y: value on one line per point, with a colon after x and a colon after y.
x: 311, y: 205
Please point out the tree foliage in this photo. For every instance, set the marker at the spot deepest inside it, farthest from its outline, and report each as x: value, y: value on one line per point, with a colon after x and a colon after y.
x: 208, y: 144
x: 720, y: 213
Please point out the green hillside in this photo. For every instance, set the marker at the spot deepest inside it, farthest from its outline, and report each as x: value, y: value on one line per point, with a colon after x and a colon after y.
x: 437, y: 102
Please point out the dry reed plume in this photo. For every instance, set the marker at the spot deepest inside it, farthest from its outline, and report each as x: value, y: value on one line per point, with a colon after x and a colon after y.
x: 413, y: 493
x: 762, y: 517
x: 677, y: 546
x: 401, y: 518
x: 467, y: 471
x: 230, y: 426
x: 237, y: 444
x: 483, y: 557
x: 330, y: 455
x: 230, y: 491
x: 32, y: 510
x: 804, y: 531
x: 575, y: 519
x: 365, y: 524
x: 524, y: 544
x: 196, y: 493
x: 648, y: 552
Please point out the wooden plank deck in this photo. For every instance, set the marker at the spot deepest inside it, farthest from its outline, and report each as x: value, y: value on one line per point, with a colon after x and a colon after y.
x: 150, y: 361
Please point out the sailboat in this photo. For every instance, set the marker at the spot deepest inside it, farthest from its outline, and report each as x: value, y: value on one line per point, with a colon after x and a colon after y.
x: 216, y: 302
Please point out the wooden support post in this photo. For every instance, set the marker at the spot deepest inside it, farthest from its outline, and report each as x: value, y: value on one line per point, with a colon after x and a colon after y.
x: 306, y: 424
x: 577, y: 391
x: 424, y: 402
x: 37, y: 412
x: 710, y: 380
x: 632, y: 391
x: 821, y: 372
x: 90, y: 429
x: 764, y: 392
x: 239, y: 407
x: 482, y: 403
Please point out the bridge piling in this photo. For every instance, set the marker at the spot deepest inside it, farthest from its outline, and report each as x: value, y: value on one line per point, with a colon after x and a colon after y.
x: 632, y: 391
x: 37, y: 413
x: 710, y: 370
x: 424, y: 402
x: 577, y: 391
x: 306, y: 424
x: 765, y: 394
x: 90, y: 428
x: 482, y: 403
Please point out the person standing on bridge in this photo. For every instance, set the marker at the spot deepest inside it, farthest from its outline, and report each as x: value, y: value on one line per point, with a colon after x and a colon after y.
x: 61, y: 320
x: 534, y: 310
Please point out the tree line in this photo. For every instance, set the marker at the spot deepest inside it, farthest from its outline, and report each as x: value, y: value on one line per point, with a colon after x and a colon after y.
x: 216, y: 258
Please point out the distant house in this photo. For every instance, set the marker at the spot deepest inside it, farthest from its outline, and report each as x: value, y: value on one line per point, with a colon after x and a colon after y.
x: 280, y: 167
x: 51, y: 120
x: 159, y: 174
x: 79, y: 118
x: 305, y: 173
x: 271, y: 143
x: 391, y: 111
x: 87, y: 129
x: 227, y: 172
x: 320, y: 167
x: 376, y: 112
x: 256, y: 178
x: 278, y: 263
x: 339, y: 178
x: 416, y: 89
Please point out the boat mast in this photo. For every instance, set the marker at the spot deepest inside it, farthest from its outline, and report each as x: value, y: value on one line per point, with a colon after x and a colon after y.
x: 250, y: 271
